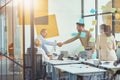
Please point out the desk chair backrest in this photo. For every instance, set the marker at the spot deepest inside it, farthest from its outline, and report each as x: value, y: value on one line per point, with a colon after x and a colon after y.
x: 83, y: 54
x: 60, y: 57
x: 28, y: 57
x: 38, y: 61
x: 116, y: 75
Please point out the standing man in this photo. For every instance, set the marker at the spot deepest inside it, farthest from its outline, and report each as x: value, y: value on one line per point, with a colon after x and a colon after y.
x: 42, y: 36
x: 84, y: 37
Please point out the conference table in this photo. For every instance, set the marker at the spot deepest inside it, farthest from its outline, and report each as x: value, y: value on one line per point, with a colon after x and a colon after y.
x: 52, y: 63
x: 73, y: 67
x: 75, y: 70
x: 65, y: 65
x: 103, y: 64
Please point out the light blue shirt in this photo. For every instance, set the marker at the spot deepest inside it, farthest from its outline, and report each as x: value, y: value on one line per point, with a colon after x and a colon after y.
x: 46, y: 42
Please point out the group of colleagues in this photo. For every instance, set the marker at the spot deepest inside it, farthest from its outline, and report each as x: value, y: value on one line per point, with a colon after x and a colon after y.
x: 105, y: 43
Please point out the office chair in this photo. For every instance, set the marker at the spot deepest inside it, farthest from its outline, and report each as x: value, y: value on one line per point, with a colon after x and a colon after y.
x: 83, y: 55
x: 116, y: 76
x: 40, y: 67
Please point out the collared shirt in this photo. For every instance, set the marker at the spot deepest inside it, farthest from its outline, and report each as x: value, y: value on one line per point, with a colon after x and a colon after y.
x: 46, y: 42
x: 44, y: 56
x: 84, y: 37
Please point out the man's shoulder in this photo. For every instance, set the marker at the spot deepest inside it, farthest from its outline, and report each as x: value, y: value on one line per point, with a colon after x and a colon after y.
x: 87, y: 32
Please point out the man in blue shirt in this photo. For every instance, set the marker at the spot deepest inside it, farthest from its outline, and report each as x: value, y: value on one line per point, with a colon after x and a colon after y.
x: 42, y: 36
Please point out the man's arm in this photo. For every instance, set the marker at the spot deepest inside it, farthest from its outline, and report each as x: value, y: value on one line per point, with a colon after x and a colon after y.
x: 70, y: 40
x: 46, y: 42
x: 60, y: 44
x: 45, y: 49
x: 50, y: 43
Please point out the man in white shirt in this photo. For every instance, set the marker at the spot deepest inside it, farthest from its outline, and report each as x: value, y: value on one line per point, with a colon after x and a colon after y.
x: 40, y: 50
x: 42, y: 36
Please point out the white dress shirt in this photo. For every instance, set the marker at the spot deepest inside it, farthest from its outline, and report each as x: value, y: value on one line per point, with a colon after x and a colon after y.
x: 44, y: 56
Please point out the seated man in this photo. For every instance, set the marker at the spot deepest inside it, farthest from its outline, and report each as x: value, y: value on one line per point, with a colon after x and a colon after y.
x: 40, y: 72
x: 40, y: 50
x: 40, y: 58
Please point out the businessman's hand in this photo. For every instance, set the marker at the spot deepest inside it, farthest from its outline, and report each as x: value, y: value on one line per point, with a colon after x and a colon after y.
x: 60, y: 44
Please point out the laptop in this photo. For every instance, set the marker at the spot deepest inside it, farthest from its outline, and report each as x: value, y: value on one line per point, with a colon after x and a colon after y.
x: 60, y: 57
x: 65, y: 54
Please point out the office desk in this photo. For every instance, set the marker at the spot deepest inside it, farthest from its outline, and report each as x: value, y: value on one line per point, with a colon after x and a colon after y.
x: 62, y: 62
x: 108, y: 65
x: 52, y: 63
x: 78, y: 69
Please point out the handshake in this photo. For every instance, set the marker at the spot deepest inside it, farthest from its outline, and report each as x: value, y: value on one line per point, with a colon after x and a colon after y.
x: 60, y: 44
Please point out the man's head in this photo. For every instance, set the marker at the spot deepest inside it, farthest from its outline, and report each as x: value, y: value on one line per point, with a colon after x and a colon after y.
x: 80, y: 27
x: 44, y: 32
x: 37, y: 43
x: 105, y: 29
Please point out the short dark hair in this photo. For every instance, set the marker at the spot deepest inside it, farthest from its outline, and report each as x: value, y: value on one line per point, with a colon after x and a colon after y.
x: 106, y: 29
x: 42, y: 30
x: 80, y: 24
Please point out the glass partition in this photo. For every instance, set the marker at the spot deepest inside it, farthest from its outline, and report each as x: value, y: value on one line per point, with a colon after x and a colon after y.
x: 90, y: 24
x: 89, y: 8
x: 3, y: 37
x: 15, y: 28
x: 101, y: 10
x: 104, y: 6
x: 104, y: 19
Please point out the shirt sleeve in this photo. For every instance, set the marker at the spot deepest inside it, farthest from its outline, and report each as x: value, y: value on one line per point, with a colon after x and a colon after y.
x: 97, y: 46
x: 46, y: 42
x: 114, y: 43
x: 44, y: 56
x: 50, y: 43
x: 72, y: 39
x: 45, y: 49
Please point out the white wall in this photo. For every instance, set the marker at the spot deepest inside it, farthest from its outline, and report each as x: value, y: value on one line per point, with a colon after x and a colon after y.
x: 67, y: 12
